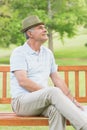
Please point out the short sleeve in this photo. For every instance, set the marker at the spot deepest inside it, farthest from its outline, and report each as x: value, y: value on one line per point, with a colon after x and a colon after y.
x: 53, y: 64
x: 17, y: 61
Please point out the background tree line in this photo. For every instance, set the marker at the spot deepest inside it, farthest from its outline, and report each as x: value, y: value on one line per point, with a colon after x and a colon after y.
x: 62, y: 16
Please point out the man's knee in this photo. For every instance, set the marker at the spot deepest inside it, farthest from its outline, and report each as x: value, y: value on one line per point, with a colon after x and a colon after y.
x: 53, y: 113
x: 54, y: 91
x: 50, y: 111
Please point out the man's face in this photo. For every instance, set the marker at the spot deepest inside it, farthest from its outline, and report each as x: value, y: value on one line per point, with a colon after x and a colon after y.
x: 39, y: 33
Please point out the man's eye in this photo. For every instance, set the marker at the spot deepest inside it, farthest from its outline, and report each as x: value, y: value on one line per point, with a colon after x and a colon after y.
x: 42, y: 27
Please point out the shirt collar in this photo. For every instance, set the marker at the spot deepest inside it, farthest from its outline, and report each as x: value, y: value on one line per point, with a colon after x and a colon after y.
x: 29, y: 50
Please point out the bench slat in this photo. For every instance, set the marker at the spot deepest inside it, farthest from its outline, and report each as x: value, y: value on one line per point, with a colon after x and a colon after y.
x: 67, y: 78
x: 76, y: 84
x: 86, y: 83
x: 10, y: 119
x: 4, y: 85
x: 5, y: 100
x: 72, y: 68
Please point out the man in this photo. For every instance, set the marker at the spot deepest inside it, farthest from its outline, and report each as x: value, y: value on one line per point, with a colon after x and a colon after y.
x: 31, y: 66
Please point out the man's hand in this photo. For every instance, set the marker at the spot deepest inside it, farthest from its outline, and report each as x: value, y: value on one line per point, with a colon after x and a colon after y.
x: 77, y: 104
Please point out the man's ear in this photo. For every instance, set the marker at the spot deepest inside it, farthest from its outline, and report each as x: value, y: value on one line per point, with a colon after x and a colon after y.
x: 29, y: 34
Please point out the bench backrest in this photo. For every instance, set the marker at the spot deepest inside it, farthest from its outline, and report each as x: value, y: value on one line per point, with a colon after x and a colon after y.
x: 79, y: 83
x: 75, y: 73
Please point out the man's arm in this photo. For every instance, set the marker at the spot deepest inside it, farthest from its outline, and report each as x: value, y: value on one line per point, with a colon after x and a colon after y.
x: 25, y: 82
x: 59, y: 82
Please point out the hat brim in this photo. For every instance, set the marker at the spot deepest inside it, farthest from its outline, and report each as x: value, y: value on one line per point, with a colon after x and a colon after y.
x: 25, y: 29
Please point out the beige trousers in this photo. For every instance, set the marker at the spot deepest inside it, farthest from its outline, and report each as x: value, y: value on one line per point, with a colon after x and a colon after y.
x: 52, y: 103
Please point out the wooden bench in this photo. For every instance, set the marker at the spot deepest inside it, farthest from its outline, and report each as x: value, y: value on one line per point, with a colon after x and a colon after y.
x: 77, y: 74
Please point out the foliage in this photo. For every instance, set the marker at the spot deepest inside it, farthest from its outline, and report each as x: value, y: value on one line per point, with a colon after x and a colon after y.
x: 60, y: 16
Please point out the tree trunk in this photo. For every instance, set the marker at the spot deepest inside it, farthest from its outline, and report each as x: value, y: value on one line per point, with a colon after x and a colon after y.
x: 50, y: 41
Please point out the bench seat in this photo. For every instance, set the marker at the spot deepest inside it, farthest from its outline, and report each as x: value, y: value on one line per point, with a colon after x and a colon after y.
x: 11, y: 119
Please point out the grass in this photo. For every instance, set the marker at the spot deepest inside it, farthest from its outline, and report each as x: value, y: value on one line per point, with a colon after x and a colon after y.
x: 71, y: 61
x: 5, y: 60
x: 30, y: 128
x: 23, y: 128
x: 72, y: 52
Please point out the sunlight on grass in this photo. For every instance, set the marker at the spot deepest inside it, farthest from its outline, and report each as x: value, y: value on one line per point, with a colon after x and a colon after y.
x: 71, y: 61
x: 30, y: 128
x: 74, y: 52
x: 24, y: 128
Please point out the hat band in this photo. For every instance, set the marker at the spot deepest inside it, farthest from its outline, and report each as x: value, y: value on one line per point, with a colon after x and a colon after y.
x: 25, y: 29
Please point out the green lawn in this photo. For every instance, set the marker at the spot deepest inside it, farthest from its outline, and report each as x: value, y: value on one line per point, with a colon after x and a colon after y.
x: 73, y: 52
x: 30, y: 128
x: 71, y: 61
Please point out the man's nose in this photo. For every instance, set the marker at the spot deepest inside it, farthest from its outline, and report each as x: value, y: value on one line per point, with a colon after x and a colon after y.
x: 45, y: 29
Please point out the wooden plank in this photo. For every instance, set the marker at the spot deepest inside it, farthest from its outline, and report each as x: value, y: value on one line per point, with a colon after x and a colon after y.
x: 10, y: 119
x: 4, y: 68
x: 5, y: 100
x: 86, y: 83
x: 77, y: 84
x: 67, y: 78
x: 81, y: 99
x: 4, y: 89
x: 72, y: 68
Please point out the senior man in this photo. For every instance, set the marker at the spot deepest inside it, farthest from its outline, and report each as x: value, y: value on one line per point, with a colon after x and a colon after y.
x: 31, y: 66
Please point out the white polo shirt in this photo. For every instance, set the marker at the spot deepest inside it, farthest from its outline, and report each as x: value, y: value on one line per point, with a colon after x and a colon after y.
x: 38, y: 66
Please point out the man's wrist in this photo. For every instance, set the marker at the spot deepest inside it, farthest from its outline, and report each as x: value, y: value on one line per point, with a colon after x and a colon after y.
x: 68, y: 93
x: 74, y: 100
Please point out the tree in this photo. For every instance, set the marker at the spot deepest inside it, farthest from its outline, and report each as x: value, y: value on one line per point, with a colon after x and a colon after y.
x: 5, y: 16
x: 60, y: 16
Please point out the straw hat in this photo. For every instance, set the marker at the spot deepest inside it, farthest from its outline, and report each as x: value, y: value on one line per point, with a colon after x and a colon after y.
x: 30, y: 22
